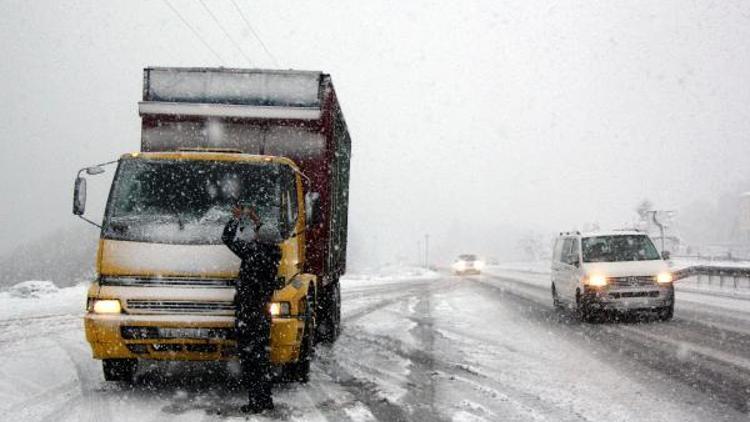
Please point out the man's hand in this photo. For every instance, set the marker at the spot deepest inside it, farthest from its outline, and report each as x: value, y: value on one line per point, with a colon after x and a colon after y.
x: 253, y: 216
x: 236, y: 211
x: 240, y: 211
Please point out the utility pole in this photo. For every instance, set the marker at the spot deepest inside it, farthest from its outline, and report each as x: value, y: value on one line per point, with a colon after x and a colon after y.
x: 426, y: 250
x: 419, y: 252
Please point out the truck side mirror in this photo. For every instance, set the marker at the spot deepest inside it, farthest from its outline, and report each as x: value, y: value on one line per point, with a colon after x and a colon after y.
x: 312, y: 209
x: 94, y: 170
x: 79, y: 196
x: 665, y: 255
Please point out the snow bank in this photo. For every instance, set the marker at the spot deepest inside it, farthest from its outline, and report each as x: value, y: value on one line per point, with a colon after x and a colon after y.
x: 41, y: 299
x: 32, y: 288
x: 393, y: 272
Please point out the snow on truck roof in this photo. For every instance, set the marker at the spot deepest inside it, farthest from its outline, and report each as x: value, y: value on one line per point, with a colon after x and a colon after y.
x: 249, y: 87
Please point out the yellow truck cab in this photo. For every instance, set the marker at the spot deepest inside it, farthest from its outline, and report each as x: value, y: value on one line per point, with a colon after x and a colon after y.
x: 212, y: 138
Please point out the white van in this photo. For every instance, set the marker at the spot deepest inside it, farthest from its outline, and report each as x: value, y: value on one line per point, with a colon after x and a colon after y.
x: 617, y: 271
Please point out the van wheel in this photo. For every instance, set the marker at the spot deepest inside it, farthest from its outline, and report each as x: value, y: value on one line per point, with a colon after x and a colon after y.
x: 555, y: 298
x: 583, y: 312
x: 119, y: 369
x: 666, y: 313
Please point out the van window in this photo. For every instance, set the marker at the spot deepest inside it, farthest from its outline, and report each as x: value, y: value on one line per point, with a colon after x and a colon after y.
x: 619, y: 248
x: 569, y: 249
x: 557, y: 252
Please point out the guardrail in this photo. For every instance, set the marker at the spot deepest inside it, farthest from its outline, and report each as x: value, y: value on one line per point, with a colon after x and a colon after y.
x: 714, y: 275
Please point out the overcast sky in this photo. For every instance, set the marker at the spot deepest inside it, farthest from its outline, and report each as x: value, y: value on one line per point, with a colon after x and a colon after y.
x: 465, y: 116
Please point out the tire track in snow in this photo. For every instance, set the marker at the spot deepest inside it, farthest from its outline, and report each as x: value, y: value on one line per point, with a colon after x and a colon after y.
x: 98, y: 410
x: 720, y: 381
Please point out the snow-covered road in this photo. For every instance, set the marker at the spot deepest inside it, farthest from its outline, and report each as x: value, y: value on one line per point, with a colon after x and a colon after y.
x: 427, y: 348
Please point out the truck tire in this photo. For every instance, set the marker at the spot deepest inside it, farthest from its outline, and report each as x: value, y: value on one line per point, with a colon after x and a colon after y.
x: 300, y: 371
x: 119, y: 369
x: 329, y: 313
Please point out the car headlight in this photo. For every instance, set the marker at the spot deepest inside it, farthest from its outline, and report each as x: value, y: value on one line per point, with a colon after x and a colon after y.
x: 664, y: 278
x: 108, y: 306
x: 596, y: 280
x: 479, y: 264
x: 279, y: 309
x: 459, y: 266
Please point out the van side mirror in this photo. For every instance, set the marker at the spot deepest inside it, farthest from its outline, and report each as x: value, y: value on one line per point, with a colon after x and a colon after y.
x: 665, y: 255
x: 312, y: 209
x: 572, y: 259
x: 79, y: 196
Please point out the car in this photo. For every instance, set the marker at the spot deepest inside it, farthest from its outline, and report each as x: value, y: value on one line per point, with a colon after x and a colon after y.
x: 619, y: 271
x: 467, y: 264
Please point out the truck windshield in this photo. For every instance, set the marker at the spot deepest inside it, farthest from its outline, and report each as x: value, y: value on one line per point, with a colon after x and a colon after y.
x: 618, y: 248
x: 186, y: 201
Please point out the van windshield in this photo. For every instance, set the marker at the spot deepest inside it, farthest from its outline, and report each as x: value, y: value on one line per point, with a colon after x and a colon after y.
x: 618, y: 248
x: 186, y: 201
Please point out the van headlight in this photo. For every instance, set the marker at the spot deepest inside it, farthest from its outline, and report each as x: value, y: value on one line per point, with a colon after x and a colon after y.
x: 279, y: 309
x: 596, y: 280
x: 664, y: 278
x: 107, y: 306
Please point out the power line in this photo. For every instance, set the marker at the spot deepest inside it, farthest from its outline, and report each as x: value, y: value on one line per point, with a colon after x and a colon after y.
x: 255, y: 34
x: 250, y: 62
x: 196, y: 33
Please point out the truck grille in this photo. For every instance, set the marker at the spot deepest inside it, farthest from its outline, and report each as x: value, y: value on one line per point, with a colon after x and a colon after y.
x: 181, y: 306
x: 633, y: 281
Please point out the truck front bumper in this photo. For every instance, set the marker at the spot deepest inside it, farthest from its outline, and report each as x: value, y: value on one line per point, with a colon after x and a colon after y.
x: 182, y: 337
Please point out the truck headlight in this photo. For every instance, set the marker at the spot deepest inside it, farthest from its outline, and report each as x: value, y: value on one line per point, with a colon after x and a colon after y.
x: 596, y: 280
x: 664, y: 278
x: 279, y: 309
x: 108, y: 306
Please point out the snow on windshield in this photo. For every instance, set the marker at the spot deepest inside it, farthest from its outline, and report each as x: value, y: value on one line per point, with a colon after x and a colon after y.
x: 187, y: 201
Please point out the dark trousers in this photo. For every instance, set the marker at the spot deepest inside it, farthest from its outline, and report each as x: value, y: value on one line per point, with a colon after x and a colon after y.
x: 253, y: 330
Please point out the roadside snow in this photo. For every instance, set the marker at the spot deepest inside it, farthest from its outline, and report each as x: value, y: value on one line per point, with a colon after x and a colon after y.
x: 392, y: 273
x: 32, y: 288
x: 41, y: 299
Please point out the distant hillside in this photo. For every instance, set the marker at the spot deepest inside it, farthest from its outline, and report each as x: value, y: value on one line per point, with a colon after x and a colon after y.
x: 65, y: 256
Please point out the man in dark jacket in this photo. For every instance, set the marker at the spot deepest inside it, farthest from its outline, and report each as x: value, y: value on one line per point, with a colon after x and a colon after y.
x: 257, y: 247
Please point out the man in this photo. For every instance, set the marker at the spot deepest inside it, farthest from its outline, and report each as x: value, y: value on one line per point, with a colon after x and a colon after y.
x: 256, y: 244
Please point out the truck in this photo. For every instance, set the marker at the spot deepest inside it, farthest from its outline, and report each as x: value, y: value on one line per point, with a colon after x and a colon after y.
x: 212, y: 138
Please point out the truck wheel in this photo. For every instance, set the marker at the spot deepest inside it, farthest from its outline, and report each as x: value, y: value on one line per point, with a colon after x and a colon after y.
x: 119, y: 369
x: 300, y: 371
x: 329, y: 326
